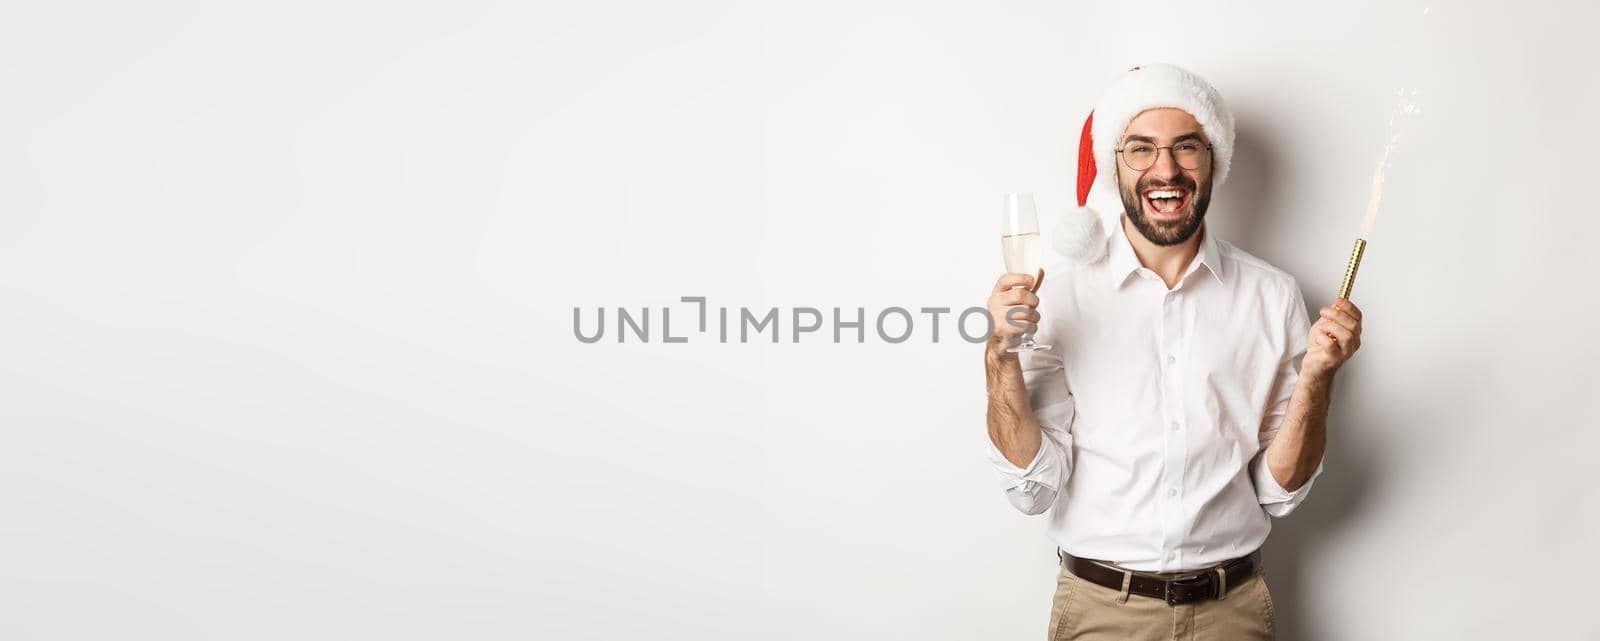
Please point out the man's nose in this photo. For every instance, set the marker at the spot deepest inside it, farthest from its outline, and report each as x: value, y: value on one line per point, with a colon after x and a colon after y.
x: 1166, y: 166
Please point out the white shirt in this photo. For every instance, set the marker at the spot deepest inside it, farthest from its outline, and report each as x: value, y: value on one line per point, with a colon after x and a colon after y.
x: 1155, y: 404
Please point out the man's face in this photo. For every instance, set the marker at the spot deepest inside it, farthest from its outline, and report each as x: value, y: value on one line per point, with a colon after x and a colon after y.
x: 1166, y: 201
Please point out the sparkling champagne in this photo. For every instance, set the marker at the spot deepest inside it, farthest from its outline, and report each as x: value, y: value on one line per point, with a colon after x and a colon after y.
x: 1021, y: 252
x: 1019, y: 245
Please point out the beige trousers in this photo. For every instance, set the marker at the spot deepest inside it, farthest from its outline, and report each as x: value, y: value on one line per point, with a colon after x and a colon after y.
x: 1087, y: 611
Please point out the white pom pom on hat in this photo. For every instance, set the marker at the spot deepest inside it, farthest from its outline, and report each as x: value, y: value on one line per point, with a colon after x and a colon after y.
x: 1080, y: 235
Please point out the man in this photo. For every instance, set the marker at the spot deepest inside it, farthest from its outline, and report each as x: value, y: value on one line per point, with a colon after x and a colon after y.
x: 1184, y: 402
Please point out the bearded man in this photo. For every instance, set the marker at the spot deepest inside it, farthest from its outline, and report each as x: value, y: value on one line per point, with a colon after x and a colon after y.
x: 1183, y: 405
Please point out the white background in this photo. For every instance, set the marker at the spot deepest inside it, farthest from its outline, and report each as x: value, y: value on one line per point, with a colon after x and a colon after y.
x: 286, y: 347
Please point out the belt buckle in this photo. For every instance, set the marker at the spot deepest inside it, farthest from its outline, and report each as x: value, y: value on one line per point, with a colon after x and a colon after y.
x: 1172, y: 597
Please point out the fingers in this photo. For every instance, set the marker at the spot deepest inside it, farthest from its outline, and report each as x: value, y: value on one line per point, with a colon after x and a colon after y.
x: 1334, y: 338
x: 1012, y: 305
x: 1342, y: 322
x: 1016, y: 297
x: 1025, y: 321
x: 1015, y: 321
x: 1008, y: 281
x: 1343, y: 318
x: 1344, y: 305
x: 1027, y: 316
x: 1345, y: 340
x: 1039, y: 282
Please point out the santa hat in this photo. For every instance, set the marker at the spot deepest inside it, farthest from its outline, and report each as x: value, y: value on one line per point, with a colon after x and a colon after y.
x: 1080, y: 235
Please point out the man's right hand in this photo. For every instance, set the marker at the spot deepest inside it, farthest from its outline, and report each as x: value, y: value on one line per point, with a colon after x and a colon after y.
x: 1010, y: 292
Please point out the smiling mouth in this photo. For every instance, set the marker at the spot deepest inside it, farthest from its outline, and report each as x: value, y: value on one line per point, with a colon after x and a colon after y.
x: 1166, y: 201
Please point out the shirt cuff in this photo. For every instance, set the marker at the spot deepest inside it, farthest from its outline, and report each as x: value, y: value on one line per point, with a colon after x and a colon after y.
x: 1042, y: 469
x: 1269, y: 491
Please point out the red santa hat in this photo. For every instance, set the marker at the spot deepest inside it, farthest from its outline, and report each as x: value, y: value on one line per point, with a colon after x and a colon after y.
x: 1079, y: 235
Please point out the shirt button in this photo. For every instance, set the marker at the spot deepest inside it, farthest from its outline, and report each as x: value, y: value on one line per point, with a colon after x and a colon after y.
x: 1174, y: 426
x: 1172, y: 491
x: 1172, y: 359
x: 1173, y: 555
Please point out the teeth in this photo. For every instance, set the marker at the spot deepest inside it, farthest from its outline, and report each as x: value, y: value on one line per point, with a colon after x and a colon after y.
x: 1165, y: 194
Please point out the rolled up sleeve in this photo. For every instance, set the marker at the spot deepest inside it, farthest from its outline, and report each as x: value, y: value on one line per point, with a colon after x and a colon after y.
x: 1032, y: 490
x: 1277, y: 501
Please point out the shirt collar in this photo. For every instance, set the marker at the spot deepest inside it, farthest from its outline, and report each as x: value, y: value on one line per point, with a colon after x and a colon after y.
x: 1121, y: 261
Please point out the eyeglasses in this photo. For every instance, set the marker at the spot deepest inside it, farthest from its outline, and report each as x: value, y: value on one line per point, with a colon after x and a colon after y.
x: 1140, y: 156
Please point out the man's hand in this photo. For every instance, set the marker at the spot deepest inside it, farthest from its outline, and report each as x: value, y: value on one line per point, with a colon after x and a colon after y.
x: 1007, y: 295
x: 1012, y: 425
x: 1334, y: 338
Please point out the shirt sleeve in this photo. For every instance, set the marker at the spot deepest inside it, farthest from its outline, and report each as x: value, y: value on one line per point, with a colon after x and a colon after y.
x: 1277, y: 501
x: 1033, y: 489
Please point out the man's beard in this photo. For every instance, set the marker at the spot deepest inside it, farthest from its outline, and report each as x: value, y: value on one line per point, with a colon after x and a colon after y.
x: 1167, y: 233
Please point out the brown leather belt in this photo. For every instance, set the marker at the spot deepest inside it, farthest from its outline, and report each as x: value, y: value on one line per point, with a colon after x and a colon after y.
x: 1203, y: 584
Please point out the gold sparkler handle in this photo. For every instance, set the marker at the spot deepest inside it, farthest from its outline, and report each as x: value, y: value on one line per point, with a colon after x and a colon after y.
x: 1349, y: 281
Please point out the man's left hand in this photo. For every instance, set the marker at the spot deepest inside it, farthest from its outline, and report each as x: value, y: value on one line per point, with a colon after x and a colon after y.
x: 1334, y: 338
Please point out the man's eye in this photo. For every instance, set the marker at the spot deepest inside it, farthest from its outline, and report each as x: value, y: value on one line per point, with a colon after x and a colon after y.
x: 1141, y: 149
x: 1188, y: 147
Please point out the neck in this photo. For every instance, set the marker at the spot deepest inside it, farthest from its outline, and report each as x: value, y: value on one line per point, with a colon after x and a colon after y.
x: 1167, y: 261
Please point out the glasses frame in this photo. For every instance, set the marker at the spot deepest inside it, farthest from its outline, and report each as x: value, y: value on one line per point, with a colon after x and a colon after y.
x: 1210, y: 150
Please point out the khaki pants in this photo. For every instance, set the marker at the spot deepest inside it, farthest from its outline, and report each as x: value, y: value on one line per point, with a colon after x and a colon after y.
x: 1087, y: 611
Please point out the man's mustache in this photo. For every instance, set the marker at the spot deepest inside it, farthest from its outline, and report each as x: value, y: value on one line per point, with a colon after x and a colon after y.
x: 1182, y: 182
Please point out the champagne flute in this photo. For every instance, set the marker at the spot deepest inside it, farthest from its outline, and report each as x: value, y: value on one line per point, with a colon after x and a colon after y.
x: 1019, y: 243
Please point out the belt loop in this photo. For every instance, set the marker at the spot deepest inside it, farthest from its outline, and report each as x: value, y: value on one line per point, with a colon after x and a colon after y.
x: 1222, y: 584
x: 1127, y: 578
x: 1059, y: 558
